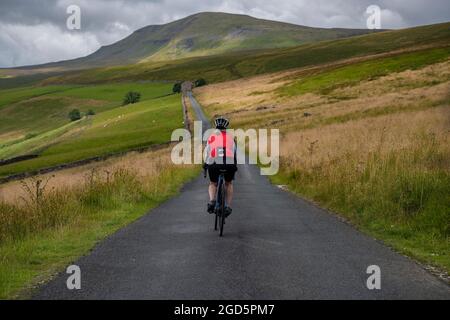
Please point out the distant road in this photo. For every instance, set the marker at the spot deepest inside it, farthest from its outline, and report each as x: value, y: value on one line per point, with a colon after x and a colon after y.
x: 275, y: 246
x: 199, y: 112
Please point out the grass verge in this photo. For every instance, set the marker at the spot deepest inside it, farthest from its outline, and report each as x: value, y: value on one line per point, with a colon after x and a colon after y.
x: 399, y: 194
x: 50, y: 229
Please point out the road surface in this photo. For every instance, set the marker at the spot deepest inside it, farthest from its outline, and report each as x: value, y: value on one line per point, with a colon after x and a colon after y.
x: 275, y: 246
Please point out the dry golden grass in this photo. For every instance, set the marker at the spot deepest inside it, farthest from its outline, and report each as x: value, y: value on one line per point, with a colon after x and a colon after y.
x: 48, y: 201
x: 360, y: 139
x: 53, y: 224
x: 143, y: 164
x: 408, y: 90
x: 242, y: 94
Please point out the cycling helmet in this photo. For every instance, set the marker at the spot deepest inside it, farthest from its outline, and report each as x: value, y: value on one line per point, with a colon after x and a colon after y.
x: 221, y: 123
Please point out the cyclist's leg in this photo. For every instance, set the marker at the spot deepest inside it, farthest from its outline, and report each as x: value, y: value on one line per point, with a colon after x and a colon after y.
x: 229, y: 177
x: 212, y: 190
x: 229, y: 189
x: 213, y: 173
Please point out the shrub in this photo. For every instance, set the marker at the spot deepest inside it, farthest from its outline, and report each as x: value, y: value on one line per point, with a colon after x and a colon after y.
x: 177, y: 87
x: 74, y: 115
x: 200, y: 82
x: 131, y: 97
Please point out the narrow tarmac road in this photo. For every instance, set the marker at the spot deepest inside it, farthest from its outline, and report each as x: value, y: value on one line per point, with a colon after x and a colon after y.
x: 275, y: 246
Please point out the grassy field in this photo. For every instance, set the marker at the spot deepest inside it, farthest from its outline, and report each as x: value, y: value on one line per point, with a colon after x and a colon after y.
x: 115, y: 92
x: 9, y: 96
x: 75, y: 210
x: 119, y: 129
x: 366, y: 139
x: 34, y: 144
x: 34, y: 110
x: 38, y: 124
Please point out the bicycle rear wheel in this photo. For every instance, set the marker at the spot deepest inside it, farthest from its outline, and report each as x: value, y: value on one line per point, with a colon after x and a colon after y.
x: 222, y: 208
x: 217, y: 208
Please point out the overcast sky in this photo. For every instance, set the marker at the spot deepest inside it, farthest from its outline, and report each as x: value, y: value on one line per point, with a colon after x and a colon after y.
x: 34, y: 31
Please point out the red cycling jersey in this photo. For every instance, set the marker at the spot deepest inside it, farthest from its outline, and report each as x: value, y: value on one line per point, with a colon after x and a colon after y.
x: 220, y: 148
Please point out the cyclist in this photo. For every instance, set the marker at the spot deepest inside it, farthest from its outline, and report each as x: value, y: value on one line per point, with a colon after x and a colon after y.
x: 220, y: 154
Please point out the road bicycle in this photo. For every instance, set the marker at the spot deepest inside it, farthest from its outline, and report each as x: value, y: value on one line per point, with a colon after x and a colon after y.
x: 219, y: 209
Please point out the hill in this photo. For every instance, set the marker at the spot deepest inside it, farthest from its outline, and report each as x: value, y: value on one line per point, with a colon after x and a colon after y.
x: 202, y: 34
x: 234, y: 65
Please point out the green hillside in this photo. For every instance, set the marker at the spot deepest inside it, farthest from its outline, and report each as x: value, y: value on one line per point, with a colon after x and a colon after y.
x: 35, y: 110
x: 237, y: 65
x: 34, y: 120
x: 119, y: 129
x: 200, y: 35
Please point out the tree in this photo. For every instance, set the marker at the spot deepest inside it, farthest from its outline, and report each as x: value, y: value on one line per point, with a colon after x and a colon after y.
x: 131, y: 97
x: 74, y: 115
x: 200, y: 82
x: 177, y: 87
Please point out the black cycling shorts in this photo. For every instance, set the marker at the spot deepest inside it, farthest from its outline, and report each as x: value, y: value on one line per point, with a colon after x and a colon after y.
x: 214, y: 170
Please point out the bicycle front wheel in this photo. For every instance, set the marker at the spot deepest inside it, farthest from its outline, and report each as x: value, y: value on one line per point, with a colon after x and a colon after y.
x: 216, y: 220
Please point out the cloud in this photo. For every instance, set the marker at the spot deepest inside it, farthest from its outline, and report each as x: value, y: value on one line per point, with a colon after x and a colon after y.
x: 34, y: 32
